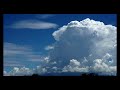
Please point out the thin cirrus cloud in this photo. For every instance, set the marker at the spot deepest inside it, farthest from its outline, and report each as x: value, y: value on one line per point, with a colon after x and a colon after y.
x: 33, y: 24
x: 38, y: 58
x: 12, y: 51
x: 13, y: 64
x: 45, y: 16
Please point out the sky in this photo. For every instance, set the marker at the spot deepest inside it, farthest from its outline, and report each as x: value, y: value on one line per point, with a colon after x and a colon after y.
x: 31, y: 39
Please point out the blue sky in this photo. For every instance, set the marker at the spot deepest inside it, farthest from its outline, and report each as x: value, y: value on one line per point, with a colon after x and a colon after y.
x: 33, y: 38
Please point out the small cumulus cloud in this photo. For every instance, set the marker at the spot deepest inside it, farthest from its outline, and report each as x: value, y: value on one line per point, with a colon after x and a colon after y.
x: 40, y: 70
x: 103, y: 68
x: 23, y: 71
x: 49, y: 47
x: 19, y: 72
x: 74, y: 66
x: 5, y: 73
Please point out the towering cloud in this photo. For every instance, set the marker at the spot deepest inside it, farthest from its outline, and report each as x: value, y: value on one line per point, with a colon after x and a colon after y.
x: 85, y: 46
x: 89, y: 42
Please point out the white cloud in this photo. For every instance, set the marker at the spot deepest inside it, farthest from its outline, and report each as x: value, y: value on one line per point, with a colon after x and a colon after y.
x: 20, y: 71
x: 49, y: 47
x: 45, y: 16
x: 15, y: 55
x: 74, y: 66
x: 40, y: 70
x: 38, y: 58
x: 85, y: 41
x: 85, y: 46
x: 74, y: 62
x: 54, y: 68
x: 54, y: 62
x: 12, y: 63
x: 33, y: 24
x: 101, y: 67
x: 34, y: 57
x: 23, y: 71
x: 11, y: 49
x: 46, y: 59
x: 5, y: 73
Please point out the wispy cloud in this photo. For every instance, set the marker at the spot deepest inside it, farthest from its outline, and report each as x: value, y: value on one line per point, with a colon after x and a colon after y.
x: 13, y: 64
x: 34, y: 57
x: 13, y: 51
x: 33, y: 24
x: 45, y: 16
x: 39, y: 58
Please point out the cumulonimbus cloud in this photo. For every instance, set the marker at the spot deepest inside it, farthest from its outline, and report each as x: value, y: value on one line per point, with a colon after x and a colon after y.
x: 33, y: 24
x: 85, y: 46
x: 87, y: 41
